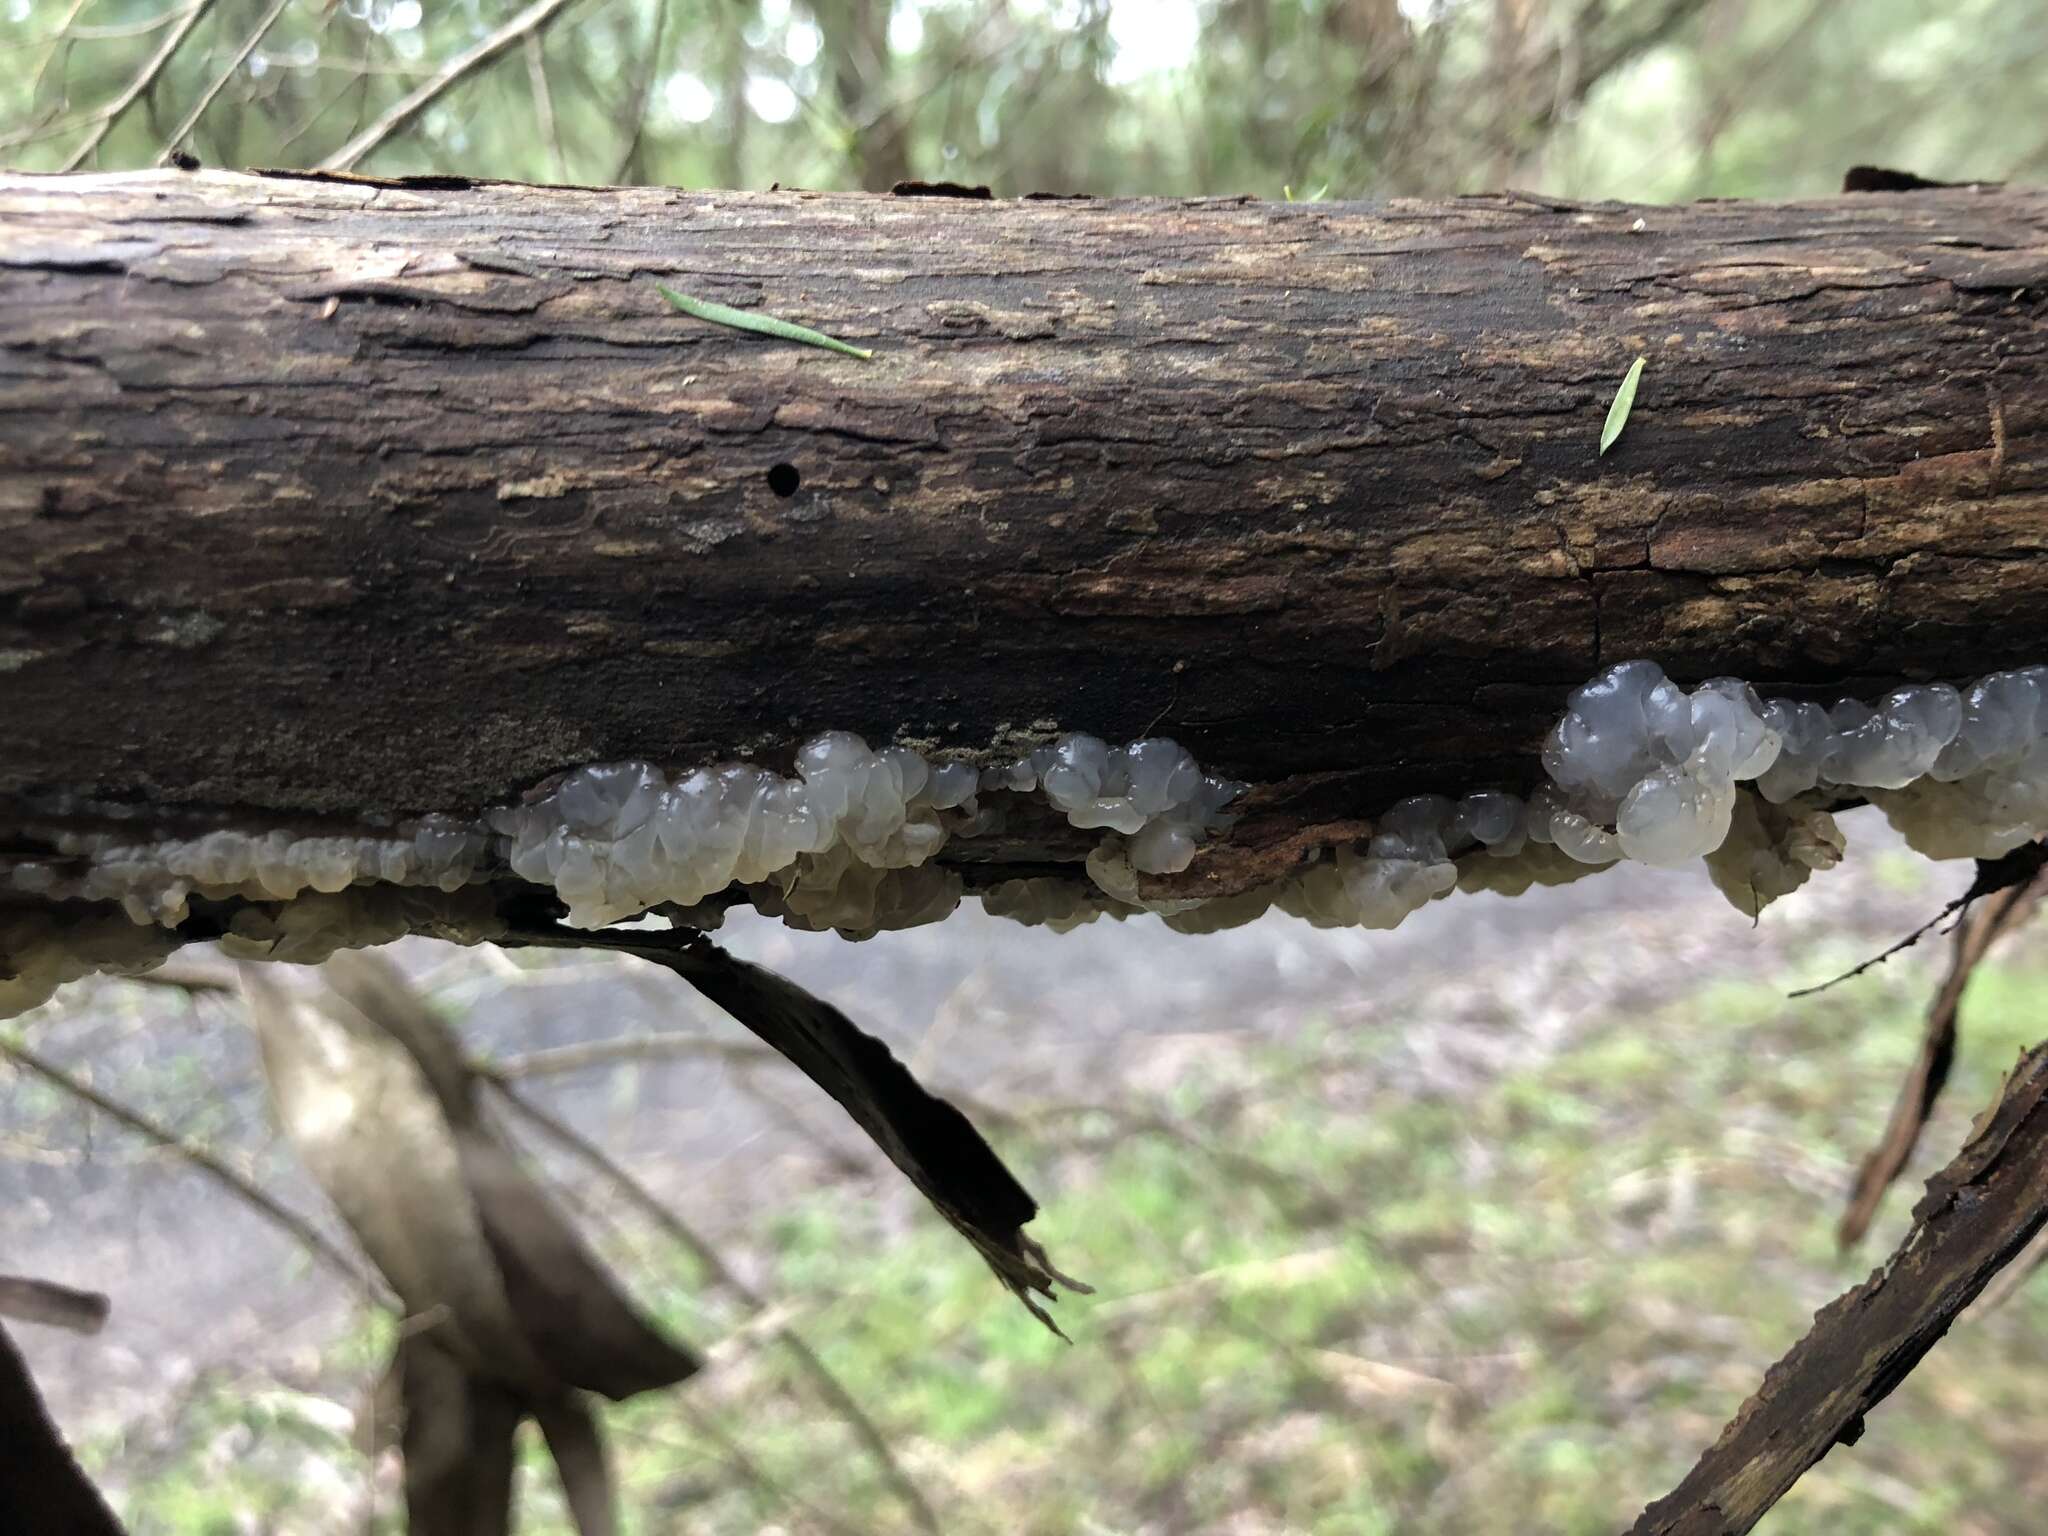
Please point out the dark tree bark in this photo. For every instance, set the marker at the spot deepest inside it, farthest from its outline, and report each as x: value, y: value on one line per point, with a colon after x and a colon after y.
x: 337, y: 496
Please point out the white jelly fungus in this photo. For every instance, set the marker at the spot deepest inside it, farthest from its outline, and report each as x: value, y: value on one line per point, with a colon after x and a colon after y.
x: 1635, y: 768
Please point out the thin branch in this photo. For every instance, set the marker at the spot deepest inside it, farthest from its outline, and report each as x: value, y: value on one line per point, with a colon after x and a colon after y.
x: 358, y: 81
x: 1978, y: 930
x: 754, y: 1472
x: 642, y: 91
x: 1978, y: 1214
x: 44, y: 125
x: 61, y: 42
x: 527, y: 23
x: 178, y: 134
x: 52, y: 1305
x: 110, y: 32
x: 51, y: 124
x: 544, y: 104
x: 1592, y: 69
x: 185, y: 973
x: 1746, y: 81
x: 1127, y: 1121
x: 2013, y: 1278
x: 350, y: 67
x: 555, y: 1060
x: 111, y: 113
x: 1879, y: 958
x: 829, y: 1385
x: 206, y: 1162
x: 2000, y: 874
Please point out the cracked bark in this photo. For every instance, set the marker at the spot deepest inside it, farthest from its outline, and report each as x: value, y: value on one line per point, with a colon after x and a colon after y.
x: 334, y: 498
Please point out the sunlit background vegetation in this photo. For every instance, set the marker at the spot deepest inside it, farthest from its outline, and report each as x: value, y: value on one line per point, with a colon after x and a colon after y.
x: 1485, y: 1226
x: 1641, y: 99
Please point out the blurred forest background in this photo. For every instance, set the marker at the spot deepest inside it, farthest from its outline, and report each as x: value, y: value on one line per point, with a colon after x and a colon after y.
x: 1487, y: 1224
x: 1650, y: 100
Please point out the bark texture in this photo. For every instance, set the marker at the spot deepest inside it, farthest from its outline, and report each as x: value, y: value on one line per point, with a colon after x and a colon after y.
x: 341, y: 496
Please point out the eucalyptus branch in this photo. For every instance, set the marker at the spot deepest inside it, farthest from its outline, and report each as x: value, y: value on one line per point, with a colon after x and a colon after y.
x: 190, y: 121
x: 529, y: 22
x: 111, y: 113
x: 279, y: 1215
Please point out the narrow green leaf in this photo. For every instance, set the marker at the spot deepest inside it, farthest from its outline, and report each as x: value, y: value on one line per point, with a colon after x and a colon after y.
x: 765, y: 325
x: 1624, y: 400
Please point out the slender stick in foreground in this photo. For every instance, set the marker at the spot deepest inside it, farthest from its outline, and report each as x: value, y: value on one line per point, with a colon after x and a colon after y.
x: 1977, y: 1215
x: 54, y: 1306
x: 1976, y: 931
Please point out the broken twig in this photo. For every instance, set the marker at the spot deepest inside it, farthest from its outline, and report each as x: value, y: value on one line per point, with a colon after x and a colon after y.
x: 935, y: 1146
x: 1974, y: 936
x: 1978, y: 1214
x: 1993, y: 875
x: 52, y: 1305
x: 265, y: 1205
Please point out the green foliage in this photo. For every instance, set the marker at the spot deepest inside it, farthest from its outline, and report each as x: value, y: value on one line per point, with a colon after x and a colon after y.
x: 1647, y: 99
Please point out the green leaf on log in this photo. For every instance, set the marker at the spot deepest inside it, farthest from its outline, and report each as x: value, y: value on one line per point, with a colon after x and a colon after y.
x: 1624, y: 399
x: 765, y: 325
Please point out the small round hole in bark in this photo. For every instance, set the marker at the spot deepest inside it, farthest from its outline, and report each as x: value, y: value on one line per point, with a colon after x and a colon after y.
x: 783, y: 480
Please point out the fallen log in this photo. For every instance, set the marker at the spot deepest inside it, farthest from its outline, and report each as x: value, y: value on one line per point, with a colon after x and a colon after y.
x: 348, y: 501
x: 338, y: 496
x: 338, y: 505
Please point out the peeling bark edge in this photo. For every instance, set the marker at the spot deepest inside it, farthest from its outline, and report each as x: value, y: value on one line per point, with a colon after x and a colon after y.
x: 1977, y: 1215
x: 353, y: 498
